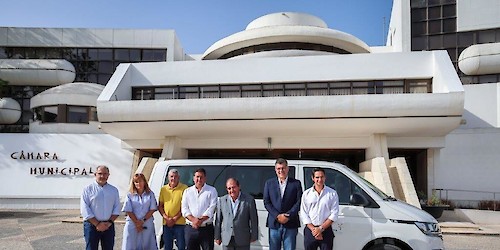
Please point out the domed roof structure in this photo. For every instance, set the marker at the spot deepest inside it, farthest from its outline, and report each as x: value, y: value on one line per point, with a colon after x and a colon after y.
x: 297, y: 33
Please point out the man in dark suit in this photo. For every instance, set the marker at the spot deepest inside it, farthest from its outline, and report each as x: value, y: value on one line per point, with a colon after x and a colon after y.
x: 236, y: 223
x: 282, y: 197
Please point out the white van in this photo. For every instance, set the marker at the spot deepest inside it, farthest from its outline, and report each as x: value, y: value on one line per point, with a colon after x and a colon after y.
x: 368, y: 218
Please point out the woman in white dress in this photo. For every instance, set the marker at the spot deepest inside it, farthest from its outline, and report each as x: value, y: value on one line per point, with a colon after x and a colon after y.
x: 139, y: 230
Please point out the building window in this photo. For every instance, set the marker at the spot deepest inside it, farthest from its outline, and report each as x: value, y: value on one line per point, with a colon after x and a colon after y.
x: 283, y: 89
x: 440, y: 18
x: 91, y: 64
x: 63, y: 113
x: 77, y: 114
x: 50, y: 114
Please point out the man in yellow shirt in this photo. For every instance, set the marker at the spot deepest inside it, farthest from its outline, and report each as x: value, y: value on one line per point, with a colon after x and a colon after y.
x: 170, y: 209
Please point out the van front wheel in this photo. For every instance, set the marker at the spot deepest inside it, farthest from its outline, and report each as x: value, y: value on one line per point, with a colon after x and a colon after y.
x: 385, y: 247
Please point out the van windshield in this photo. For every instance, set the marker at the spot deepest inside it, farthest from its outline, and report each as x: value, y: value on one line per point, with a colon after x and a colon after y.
x: 375, y: 189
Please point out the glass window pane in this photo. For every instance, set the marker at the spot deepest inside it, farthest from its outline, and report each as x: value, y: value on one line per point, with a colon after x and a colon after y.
x: 30, y: 53
x: 450, y: 40
x: 135, y: 55
x: 41, y: 53
x: 449, y: 11
x: 18, y: 53
x: 435, y: 42
x: 488, y: 79
x: 418, y: 3
x: 434, y: 27
x: 77, y: 114
x: 105, y: 67
x: 121, y: 54
x: 334, y: 179
x: 82, y: 54
x: 93, y: 54
x: 449, y: 25
x: 465, y: 39
x: 3, y: 53
x: 419, y: 43
x: 104, y: 78
x: 105, y: 54
x: 486, y: 36
x: 435, y: 12
x: 53, y: 53
x: 50, y: 114
x: 418, y: 14
x: 419, y: 29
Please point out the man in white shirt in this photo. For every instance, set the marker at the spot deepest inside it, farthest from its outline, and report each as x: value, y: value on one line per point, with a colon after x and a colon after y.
x: 319, y: 209
x: 198, y: 207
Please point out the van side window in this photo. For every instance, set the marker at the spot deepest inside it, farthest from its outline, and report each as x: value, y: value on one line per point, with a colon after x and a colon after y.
x: 336, y: 180
x: 251, y: 178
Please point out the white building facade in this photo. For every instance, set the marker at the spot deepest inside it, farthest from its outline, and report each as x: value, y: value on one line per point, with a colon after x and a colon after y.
x: 286, y: 86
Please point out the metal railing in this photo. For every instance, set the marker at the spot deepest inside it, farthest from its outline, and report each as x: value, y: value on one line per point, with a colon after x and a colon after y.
x: 475, y: 194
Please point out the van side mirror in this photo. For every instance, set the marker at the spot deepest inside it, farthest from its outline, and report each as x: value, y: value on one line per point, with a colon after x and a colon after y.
x: 358, y: 199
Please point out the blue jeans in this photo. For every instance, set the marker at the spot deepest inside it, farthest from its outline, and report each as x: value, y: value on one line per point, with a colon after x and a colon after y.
x: 93, y: 237
x: 177, y: 232
x: 286, y: 235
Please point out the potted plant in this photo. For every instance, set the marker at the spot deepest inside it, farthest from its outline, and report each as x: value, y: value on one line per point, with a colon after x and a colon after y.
x: 434, y: 206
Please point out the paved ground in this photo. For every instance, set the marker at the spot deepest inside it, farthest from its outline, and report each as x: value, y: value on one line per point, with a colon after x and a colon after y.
x: 45, y: 229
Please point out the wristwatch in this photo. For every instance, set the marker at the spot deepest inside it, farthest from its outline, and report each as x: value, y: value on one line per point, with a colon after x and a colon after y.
x: 111, y: 221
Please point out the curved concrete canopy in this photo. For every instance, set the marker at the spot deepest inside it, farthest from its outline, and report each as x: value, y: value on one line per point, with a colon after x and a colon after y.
x: 10, y: 111
x: 480, y: 59
x: 273, y: 28
x: 37, y: 72
x: 76, y: 93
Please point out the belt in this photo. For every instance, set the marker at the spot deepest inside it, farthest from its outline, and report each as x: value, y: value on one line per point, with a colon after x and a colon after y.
x: 202, y: 225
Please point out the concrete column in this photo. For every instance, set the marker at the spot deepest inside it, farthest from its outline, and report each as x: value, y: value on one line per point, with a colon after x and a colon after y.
x: 377, y: 147
x: 172, y: 149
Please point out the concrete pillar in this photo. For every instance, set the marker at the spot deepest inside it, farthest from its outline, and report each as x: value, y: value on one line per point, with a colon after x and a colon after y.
x: 172, y: 149
x: 377, y: 147
x: 375, y: 171
x: 403, y: 186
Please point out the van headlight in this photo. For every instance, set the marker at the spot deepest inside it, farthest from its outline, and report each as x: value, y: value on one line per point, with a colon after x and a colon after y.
x: 429, y: 228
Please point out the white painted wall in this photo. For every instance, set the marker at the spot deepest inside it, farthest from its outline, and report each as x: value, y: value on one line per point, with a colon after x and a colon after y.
x: 399, y: 33
x: 470, y: 160
x: 482, y: 106
x: 477, y: 15
x: 73, y: 151
x: 79, y: 37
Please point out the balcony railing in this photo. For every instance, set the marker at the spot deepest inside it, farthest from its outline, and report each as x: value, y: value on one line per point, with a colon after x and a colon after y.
x: 282, y: 89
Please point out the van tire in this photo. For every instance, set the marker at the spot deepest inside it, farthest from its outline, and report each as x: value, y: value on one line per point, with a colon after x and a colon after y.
x: 384, y: 247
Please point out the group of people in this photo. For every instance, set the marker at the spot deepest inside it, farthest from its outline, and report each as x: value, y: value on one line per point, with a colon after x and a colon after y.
x: 195, y: 217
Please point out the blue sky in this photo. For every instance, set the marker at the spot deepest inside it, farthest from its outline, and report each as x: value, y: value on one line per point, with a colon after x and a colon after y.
x: 198, y: 23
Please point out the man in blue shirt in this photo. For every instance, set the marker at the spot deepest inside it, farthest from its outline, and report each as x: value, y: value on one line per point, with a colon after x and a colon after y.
x: 100, y: 206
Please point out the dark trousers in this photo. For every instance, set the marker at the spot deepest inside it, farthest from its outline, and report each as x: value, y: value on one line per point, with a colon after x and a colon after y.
x: 93, y: 237
x: 202, y: 237
x: 310, y: 243
x: 232, y: 246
